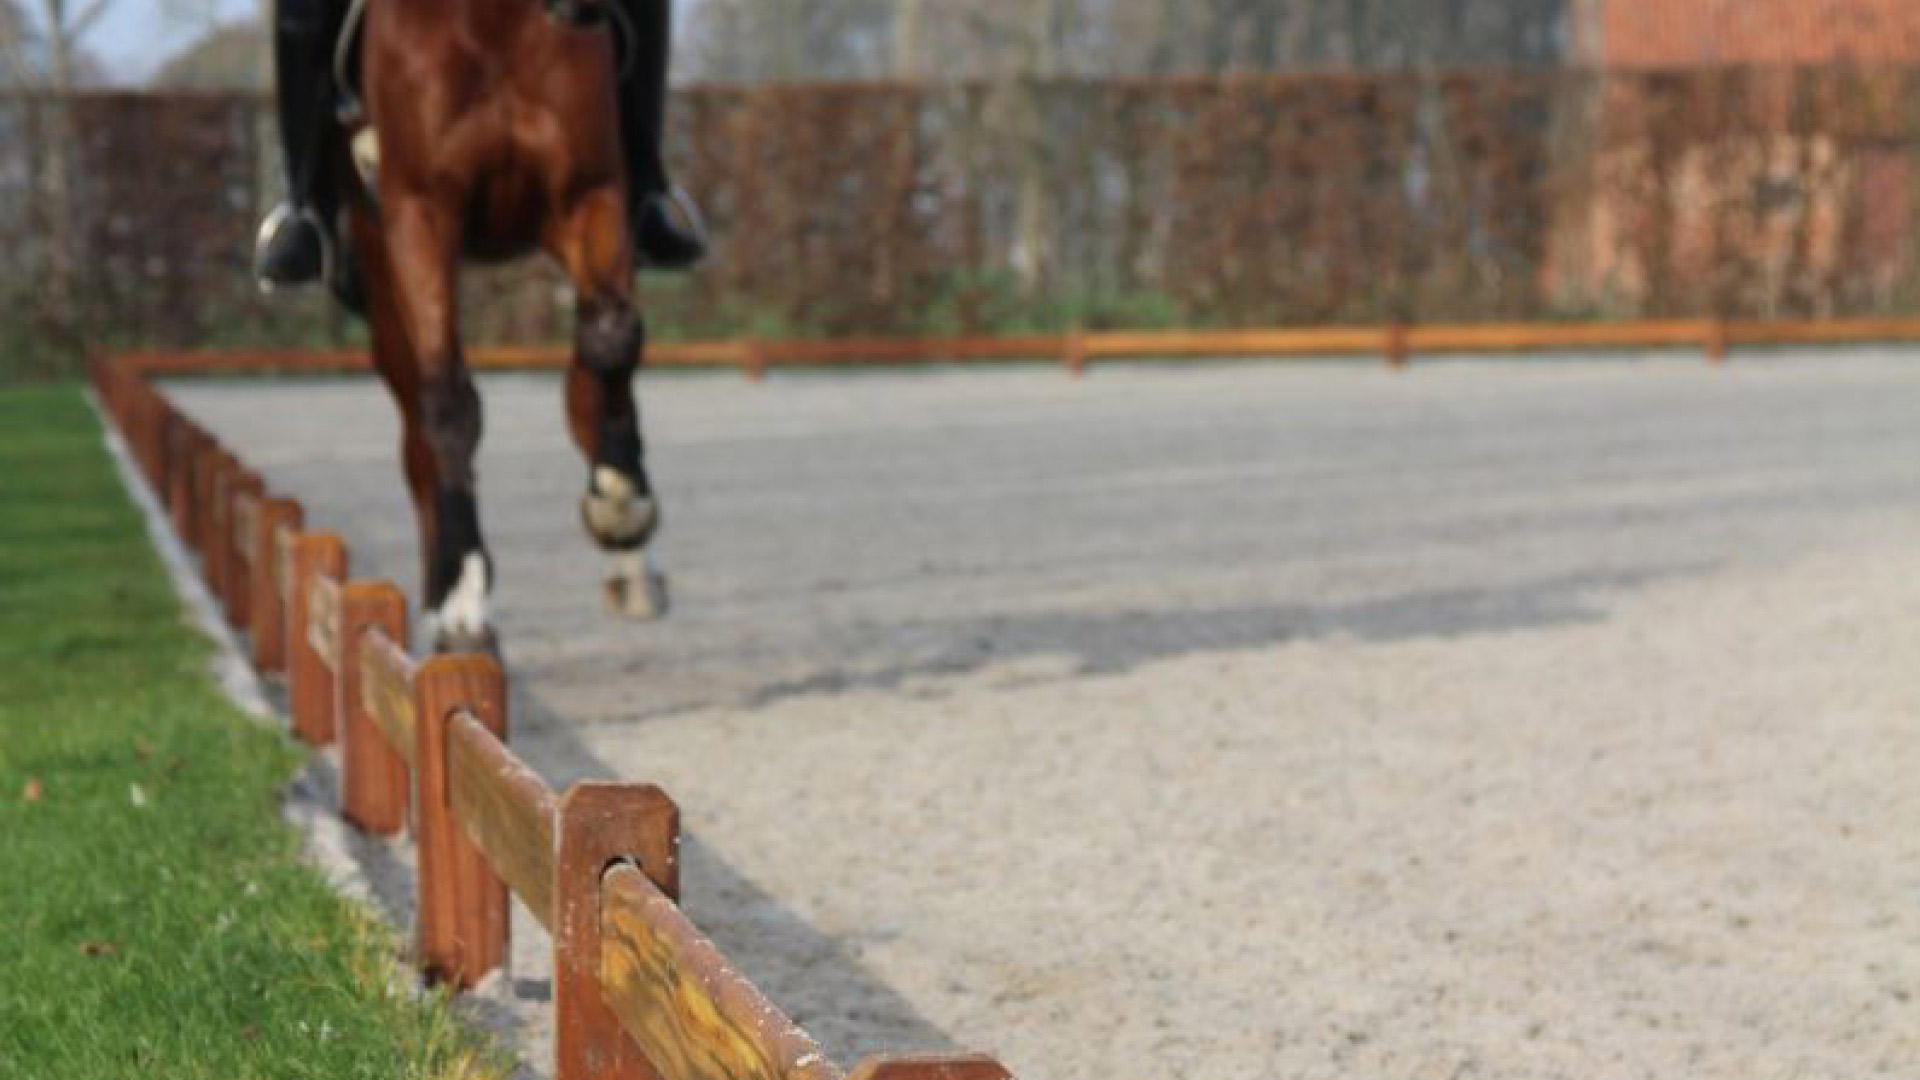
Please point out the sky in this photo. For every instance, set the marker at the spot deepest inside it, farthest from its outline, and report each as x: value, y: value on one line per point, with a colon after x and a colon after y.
x: 137, y: 36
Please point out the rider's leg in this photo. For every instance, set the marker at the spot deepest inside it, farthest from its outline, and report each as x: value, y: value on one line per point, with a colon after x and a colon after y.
x: 666, y: 236
x: 297, y: 243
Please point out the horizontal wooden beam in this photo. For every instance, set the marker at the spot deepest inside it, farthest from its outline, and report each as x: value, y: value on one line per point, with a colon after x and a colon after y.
x: 323, y: 618
x: 506, y: 810
x: 910, y: 350
x: 1844, y: 332
x: 1076, y: 349
x: 1307, y: 341
x: 1548, y: 336
x: 386, y: 691
x: 929, y: 1067
x: 693, y: 1015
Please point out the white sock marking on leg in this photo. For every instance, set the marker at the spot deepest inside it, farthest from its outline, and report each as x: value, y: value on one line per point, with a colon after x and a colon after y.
x: 465, y: 608
x: 610, y: 483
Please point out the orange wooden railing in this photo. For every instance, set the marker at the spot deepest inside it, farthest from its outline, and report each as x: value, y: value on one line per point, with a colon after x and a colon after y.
x: 639, y: 993
x: 1396, y: 345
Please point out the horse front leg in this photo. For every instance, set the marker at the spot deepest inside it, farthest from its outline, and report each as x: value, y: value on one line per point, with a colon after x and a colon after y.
x: 443, y: 426
x: 619, y: 509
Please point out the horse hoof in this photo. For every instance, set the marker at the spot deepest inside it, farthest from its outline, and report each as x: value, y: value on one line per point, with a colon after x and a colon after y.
x: 616, y: 515
x: 638, y: 592
x: 452, y: 642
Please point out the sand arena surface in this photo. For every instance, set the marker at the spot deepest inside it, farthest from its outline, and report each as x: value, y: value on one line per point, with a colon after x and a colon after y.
x: 1530, y: 719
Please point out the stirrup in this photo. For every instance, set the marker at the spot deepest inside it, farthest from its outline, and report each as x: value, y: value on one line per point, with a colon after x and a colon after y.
x: 675, y: 216
x: 280, y: 217
x: 682, y: 201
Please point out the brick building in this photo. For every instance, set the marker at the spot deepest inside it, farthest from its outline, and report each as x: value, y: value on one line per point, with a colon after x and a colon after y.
x: 1677, y: 33
x: 1795, y: 206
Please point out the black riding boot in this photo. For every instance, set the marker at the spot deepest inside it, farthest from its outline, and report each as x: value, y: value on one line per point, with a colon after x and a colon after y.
x: 297, y: 245
x: 667, y: 231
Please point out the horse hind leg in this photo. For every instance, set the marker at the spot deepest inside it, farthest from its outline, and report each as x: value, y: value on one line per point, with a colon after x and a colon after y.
x: 619, y: 509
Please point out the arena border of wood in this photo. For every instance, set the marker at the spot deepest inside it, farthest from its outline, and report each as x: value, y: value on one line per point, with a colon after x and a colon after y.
x: 1397, y: 345
x: 639, y: 993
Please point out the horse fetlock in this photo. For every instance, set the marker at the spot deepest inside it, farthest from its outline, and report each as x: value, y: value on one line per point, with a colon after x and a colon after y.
x: 616, y: 512
x: 637, y: 589
x: 461, y: 621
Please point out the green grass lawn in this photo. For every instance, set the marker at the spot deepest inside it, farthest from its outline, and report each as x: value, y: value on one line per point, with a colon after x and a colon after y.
x: 155, y: 916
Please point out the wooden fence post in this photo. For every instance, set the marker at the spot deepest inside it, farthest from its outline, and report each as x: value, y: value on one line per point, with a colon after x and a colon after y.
x: 600, y: 824
x: 1398, y: 352
x: 310, y: 682
x: 144, y: 419
x: 216, y: 525
x: 272, y: 581
x: 213, y: 507
x: 153, y: 419
x: 206, y: 456
x: 373, y: 775
x: 915, y: 1067
x: 243, y: 510
x: 462, y: 909
x: 184, y: 461
x: 1716, y: 343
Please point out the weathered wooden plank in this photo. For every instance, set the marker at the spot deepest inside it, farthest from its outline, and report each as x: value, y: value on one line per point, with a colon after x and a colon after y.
x: 283, y: 538
x: 661, y: 354
x: 246, y: 509
x: 1528, y: 337
x: 311, y: 692
x: 1275, y: 342
x: 506, y: 810
x: 461, y: 912
x: 598, y: 824
x: 1822, y: 332
x: 244, y: 492
x: 910, y: 350
x: 693, y: 1016
x: 246, y: 361
x: 218, y: 470
x: 386, y: 691
x: 323, y: 618
x: 1307, y: 341
x: 268, y: 591
x: 373, y: 775
x: 929, y: 1067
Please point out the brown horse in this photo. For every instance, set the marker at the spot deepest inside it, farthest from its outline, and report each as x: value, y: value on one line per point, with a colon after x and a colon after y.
x: 497, y: 136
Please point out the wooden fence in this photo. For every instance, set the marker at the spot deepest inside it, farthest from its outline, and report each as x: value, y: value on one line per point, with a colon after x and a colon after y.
x: 1397, y: 345
x: 639, y: 993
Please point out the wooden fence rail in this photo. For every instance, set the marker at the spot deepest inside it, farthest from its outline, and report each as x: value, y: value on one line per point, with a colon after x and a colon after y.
x: 639, y: 993
x: 1396, y: 344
